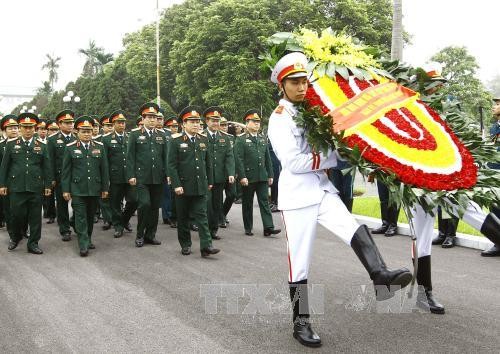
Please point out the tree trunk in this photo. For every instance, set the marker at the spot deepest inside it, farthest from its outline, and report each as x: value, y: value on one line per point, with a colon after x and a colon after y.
x: 397, y: 30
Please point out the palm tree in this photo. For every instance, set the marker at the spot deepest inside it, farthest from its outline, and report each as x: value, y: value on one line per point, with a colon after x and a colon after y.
x: 397, y: 30
x: 103, y: 59
x: 45, y: 90
x: 52, y: 65
x: 89, y: 68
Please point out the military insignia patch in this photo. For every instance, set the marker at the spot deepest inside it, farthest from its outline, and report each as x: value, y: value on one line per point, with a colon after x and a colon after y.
x: 202, y: 145
x: 17, y: 146
x: 159, y: 138
x: 279, y: 110
x: 142, y: 137
x: 183, y: 145
x: 37, y: 148
x: 96, y: 152
x: 78, y: 151
x: 59, y: 141
x: 114, y: 141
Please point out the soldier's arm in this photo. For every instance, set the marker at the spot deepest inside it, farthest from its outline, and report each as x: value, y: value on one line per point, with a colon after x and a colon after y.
x: 52, y: 156
x: 172, y: 165
x: 47, y: 168
x: 210, y: 167
x: 239, y: 150
x: 131, y: 156
x: 66, y: 171
x: 166, y: 147
x: 5, y: 166
x: 230, y: 167
x: 269, y: 163
x: 104, y: 172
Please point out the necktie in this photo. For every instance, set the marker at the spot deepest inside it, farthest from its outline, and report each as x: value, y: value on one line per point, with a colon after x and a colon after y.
x: 120, y: 139
x: 27, y: 143
x: 192, y: 139
x: 67, y: 138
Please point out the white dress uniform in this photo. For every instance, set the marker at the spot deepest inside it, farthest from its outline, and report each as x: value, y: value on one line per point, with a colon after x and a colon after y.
x: 306, y: 195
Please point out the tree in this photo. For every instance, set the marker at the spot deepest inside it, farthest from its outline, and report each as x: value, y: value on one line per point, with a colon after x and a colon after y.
x: 493, y: 85
x: 52, y: 65
x: 95, y: 59
x: 460, y: 71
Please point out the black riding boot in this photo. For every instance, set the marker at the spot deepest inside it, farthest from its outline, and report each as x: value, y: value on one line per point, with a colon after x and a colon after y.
x: 425, y: 298
x: 302, y: 330
x: 386, y: 281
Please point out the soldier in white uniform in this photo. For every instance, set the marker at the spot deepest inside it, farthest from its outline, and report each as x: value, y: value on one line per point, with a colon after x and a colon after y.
x: 306, y: 197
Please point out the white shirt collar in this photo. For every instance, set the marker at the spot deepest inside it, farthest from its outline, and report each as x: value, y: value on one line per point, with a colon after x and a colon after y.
x: 29, y: 141
x: 190, y: 136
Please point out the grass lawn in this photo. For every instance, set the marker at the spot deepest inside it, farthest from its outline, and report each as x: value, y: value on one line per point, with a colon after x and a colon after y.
x: 370, y: 206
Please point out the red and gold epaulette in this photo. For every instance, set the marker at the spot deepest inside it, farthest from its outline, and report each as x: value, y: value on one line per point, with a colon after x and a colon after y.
x: 279, y: 109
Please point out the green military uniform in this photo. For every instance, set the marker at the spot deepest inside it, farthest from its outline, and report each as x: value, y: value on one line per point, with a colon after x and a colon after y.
x: 253, y: 162
x: 146, y: 162
x: 105, y: 204
x: 8, y: 120
x: 190, y: 167
x: 56, y: 145
x: 229, y: 188
x: 221, y: 150
x: 85, y: 175
x: 116, y: 152
x: 26, y: 173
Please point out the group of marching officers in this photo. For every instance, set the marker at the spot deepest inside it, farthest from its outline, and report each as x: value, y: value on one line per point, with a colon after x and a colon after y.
x: 186, y: 172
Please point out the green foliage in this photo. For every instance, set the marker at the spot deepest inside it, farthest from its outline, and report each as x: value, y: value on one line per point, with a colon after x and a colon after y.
x: 460, y: 69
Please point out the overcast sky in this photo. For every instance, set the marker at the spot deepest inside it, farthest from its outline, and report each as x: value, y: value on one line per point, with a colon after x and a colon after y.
x: 32, y: 28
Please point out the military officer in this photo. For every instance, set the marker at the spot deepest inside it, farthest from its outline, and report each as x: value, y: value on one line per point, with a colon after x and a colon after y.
x: 52, y: 128
x: 84, y: 178
x: 11, y: 129
x: 96, y: 130
x: 171, y: 124
x: 191, y: 175
x: 50, y: 201
x: 139, y: 122
x: 115, y: 145
x: 255, y: 171
x: 26, y: 174
x: 167, y: 199
x: 56, y: 145
x: 146, y: 169
x: 221, y: 149
x: 104, y: 204
x: 41, y: 130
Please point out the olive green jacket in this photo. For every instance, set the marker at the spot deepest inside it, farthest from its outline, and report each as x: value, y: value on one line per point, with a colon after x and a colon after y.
x: 253, y: 160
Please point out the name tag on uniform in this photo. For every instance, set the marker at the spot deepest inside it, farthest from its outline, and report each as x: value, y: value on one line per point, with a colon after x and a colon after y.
x: 248, y: 140
x: 202, y: 145
x: 142, y: 137
x: 78, y: 151
x: 183, y: 145
x: 96, y: 152
x: 159, y: 138
x: 59, y: 141
x: 17, y: 146
x: 114, y: 142
x: 222, y: 141
x: 37, y: 148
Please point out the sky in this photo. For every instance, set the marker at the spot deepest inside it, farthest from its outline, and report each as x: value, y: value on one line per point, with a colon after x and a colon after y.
x: 30, y: 29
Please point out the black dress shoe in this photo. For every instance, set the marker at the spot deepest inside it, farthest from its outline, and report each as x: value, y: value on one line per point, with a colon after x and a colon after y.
x: 106, y: 226
x: 391, y: 230
x: 249, y: 233
x: 269, y: 232
x: 91, y: 246
x: 35, y: 250
x: 96, y: 219
x: 173, y: 225
x: 186, y: 251
x: 50, y: 221
x: 139, y: 242
x: 128, y: 227
x: 84, y: 253
x: 66, y: 236
x: 12, y: 245
x: 216, y: 237
x: 208, y: 251
x: 167, y: 221
x: 427, y: 302
x: 449, y: 242
x: 153, y: 242
x: 2, y: 224
x: 118, y: 233
x: 303, y: 332
x: 223, y: 225
x: 382, y: 229
x: 275, y: 209
x: 194, y: 227
x: 439, y: 239
x: 492, y: 252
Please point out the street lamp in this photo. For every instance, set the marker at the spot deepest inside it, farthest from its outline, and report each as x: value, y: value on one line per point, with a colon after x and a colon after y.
x: 71, y: 98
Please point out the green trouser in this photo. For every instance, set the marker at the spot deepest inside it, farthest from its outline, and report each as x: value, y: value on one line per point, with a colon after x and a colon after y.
x: 230, y: 191
x: 84, y: 209
x: 148, y: 204
x: 173, y: 212
x: 26, y: 208
x: 262, y: 191
x: 106, y: 212
x: 118, y: 191
x: 62, y: 211
x: 7, y: 215
x: 195, y: 206
x: 214, y: 207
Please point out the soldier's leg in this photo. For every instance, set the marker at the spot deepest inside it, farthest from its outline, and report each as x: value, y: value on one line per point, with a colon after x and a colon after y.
x: 116, y: 195
x: 262, y: 190
x: 91, y: 204
x: 8, y: 216
x: 19, y: 215
x: 156, y: 195
x: 166, y: 202
x: 212, y: 213
x: 218, y: 199
x: 199, y: 211
x: 247, y: 206
x: 105, y: 210
x: 230, y: 192
x: 130, y: 205
x: 62, y: 211
x: 34, y: 205
x: 81, y: 221
x: 143, y: 209
x: 183, y: 230
x: 51, y: 212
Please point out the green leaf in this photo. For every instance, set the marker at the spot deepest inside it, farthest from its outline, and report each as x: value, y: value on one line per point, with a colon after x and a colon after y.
x: 342, y: 71
x: 330, y: 70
